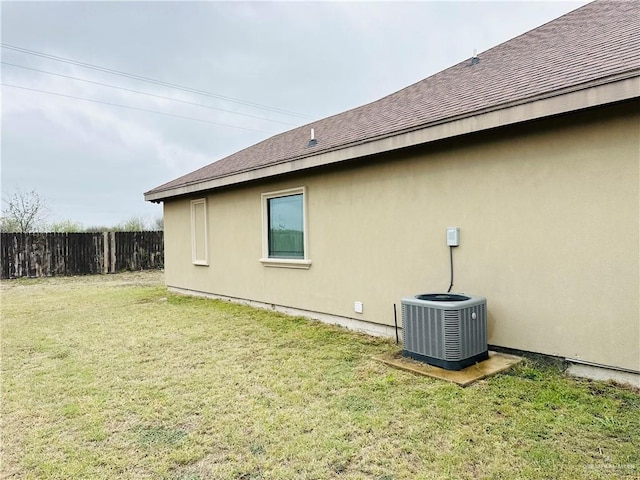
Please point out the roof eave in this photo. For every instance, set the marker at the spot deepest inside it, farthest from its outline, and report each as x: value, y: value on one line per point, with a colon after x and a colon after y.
x: 620, y: 88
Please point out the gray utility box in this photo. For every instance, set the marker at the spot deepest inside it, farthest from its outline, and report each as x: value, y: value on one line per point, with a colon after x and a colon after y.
x: 445, y: 329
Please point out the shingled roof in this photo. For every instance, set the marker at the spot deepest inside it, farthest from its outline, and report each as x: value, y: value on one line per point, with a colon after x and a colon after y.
x: 593, y: 46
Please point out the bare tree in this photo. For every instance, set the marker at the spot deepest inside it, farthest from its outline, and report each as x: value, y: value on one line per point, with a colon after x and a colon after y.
x: 23, y: 212
x: 66, y: 226
x: 133, y: 224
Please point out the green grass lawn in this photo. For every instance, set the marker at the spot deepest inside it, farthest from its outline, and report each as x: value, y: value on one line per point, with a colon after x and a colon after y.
x: 112, y: 377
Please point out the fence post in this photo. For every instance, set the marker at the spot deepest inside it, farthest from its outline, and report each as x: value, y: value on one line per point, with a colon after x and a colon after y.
x: 113, y: 251
x: 105, y: 252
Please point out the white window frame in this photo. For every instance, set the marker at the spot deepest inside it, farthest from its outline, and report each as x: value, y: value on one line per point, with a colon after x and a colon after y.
x: 267, y: 261
x: 199, y: 261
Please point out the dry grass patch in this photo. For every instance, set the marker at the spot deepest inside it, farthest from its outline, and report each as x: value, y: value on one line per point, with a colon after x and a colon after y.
x: 111, y: 377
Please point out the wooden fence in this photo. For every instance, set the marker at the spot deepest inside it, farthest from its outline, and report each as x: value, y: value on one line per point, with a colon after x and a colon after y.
x: 50, y: 254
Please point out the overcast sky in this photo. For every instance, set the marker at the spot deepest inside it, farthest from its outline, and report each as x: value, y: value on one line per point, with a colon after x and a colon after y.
x: 278, y: 65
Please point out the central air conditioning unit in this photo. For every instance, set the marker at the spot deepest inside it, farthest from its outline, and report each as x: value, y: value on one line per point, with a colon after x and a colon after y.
x: 445, y: 329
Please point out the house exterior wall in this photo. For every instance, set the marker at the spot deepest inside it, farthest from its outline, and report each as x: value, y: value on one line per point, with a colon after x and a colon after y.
x: 549, y: 233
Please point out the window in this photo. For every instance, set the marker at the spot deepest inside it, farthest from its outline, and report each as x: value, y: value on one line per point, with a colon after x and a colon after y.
x: 199, y: 249
x: 284, y: 229
x: 286, y: 234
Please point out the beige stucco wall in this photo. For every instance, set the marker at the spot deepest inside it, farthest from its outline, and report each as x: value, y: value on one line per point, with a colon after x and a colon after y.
x: 550, y: 234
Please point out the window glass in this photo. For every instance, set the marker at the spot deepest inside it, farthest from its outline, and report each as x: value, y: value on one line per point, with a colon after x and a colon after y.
x: 286, y: 226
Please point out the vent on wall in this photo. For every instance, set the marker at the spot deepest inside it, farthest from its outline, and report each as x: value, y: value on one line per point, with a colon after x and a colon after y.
x: 444, y: 329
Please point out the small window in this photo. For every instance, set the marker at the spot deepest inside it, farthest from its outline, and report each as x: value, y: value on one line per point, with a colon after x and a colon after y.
x: 199, y: 248
x: 284, y: 235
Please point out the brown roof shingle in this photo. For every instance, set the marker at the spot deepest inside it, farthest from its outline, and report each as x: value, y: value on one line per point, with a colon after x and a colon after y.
x: 593, y: 43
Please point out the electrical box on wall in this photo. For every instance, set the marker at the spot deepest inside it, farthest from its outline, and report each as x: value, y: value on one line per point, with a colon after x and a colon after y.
x: 453, y: 236
x: 358, y: 307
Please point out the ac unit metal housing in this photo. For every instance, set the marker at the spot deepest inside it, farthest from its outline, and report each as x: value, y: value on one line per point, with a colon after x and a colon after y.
x: 444, y: 329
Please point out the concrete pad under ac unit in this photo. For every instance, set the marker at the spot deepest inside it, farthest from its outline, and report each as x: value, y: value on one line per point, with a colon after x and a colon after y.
x: 496, y: 363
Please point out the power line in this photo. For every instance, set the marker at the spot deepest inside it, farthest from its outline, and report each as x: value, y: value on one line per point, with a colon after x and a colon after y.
x: 136, y: 108
x: 151, y: 80
x: 146, y: 93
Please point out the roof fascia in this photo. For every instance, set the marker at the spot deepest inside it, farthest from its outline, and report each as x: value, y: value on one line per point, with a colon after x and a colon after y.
x: 571, y: 101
